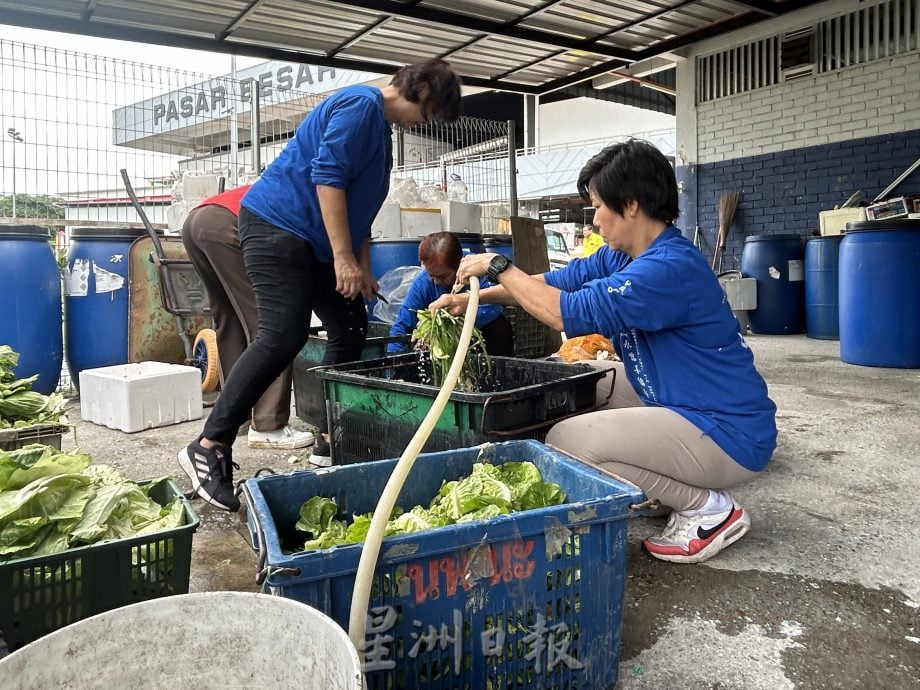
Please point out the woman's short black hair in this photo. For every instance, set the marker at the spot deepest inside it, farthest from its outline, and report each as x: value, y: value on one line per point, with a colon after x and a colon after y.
x: 633, y: 170
x: 443, y: 101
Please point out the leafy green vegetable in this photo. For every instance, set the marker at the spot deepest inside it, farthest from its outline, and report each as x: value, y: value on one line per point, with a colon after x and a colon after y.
x: 490, y: 490
x: 20, y: 406
x: 439, y: 334
x: 51, y: 501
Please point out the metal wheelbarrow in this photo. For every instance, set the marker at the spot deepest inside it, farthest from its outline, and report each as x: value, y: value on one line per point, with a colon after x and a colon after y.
x: 183, y: 295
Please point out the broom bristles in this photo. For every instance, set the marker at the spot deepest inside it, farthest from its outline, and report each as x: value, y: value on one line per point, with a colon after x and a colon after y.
x: 728, y: 204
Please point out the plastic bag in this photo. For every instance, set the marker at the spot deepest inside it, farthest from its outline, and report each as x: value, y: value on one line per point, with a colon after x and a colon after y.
x: 431, y: 196
x: 457, y: 190
x: 404, y: 191
x: 394, y: 285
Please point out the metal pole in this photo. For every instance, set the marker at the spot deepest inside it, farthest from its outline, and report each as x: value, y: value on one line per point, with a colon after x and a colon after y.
x: 234, y: 131
x: 14, y: 178
x: 254, y: 129
x: 512, y: 170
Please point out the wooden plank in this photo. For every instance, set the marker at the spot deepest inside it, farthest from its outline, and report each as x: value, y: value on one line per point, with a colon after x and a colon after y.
x: 529, y: 241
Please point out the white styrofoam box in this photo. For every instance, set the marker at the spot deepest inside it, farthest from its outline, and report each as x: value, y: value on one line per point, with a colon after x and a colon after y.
x: 835, y: 222
x: 176, y: 214
x: 197, y: 186
x: 387, y: 223
x: 458, y: 216
x: 145, y: 395
x: 418, y: 222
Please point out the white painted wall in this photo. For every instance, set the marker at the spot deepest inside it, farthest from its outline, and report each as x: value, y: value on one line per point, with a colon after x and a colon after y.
x: 874, y: 98
x: 584, y: 119
x: 879, y: 97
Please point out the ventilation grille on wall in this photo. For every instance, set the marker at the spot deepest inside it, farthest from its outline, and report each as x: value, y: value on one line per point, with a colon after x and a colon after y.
x: 739, y: 69
x: 870, y: 33
x: 877, y: 30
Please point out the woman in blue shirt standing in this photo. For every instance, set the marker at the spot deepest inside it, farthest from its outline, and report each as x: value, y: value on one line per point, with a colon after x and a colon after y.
x: 304, y: 229
x: 689, y: 416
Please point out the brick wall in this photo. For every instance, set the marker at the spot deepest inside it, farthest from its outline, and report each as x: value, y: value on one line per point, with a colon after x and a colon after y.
x: 804, y: 146
x: 783, y: 192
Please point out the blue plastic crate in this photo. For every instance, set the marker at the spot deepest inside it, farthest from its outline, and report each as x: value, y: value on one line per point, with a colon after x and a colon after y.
x: 532, y: 599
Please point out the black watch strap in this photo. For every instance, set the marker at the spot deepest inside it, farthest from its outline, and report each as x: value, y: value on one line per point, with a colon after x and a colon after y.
x: 497, y: 266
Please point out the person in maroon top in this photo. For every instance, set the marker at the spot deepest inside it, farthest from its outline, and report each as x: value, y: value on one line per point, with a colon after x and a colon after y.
x: 211, y: 239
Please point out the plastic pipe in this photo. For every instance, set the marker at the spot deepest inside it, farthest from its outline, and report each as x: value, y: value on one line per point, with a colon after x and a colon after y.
x: 357, y: 620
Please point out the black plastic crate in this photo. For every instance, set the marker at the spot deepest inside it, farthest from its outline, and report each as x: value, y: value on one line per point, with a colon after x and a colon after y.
x: 376, y: 406
x: 309, y: 401
x: 46, y: 434
x: 529, y: 333
x: 40, y: 594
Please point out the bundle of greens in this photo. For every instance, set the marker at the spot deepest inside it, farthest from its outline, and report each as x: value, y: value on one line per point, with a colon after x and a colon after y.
x: 20, y: 406
x: 439, y: 335
x: 51, y: 501
x: 489, y: 491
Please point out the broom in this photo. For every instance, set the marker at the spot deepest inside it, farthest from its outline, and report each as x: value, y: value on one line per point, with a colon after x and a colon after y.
x: 728, y: 204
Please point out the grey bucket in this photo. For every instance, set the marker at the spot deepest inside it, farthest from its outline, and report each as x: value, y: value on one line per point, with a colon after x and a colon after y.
x: 208, y: 640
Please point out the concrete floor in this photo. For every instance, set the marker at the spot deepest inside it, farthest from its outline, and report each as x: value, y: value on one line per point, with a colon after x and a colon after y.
x: 824, y: 592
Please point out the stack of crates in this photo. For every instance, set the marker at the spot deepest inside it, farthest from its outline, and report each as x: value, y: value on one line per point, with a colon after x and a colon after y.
x: 530, y: 599
x: 376, y: 406
x: 40, y: 594
x: 309, y: 401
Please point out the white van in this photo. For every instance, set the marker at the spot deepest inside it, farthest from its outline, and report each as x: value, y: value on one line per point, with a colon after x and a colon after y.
x: 556, y: 249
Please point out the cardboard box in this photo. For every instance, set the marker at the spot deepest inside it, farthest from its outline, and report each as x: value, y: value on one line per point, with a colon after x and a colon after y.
x: 145, y: 395
x: 457, y: 216
x: 835, y: 222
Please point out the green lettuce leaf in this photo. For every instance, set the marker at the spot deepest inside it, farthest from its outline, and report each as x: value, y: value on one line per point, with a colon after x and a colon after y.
x: 316, y: 515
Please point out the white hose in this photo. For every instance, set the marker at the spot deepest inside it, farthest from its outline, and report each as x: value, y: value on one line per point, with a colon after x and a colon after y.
x: 357, y: 620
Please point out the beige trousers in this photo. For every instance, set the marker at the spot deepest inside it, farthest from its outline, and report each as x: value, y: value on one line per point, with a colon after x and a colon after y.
x: 656, y: 449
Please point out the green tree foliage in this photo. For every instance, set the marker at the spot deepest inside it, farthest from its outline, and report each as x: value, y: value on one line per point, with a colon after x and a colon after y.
x: 31, y: 206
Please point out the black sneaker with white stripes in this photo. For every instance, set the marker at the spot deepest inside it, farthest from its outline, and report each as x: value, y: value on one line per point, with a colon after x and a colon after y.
x: 211, y: 472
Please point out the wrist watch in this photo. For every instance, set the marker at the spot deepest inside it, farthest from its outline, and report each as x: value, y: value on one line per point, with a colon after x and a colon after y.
x: 498, y: 265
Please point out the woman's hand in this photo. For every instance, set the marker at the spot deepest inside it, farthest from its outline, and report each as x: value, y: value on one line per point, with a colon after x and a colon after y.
x: 454, y: 304
x: 473, y: 265
x: 349, y: 278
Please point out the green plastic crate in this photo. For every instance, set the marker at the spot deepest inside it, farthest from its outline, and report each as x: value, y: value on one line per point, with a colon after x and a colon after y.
x: 309, y: 400
x: 43, y: 593
x: 376, y: 406
x: 46, y: 434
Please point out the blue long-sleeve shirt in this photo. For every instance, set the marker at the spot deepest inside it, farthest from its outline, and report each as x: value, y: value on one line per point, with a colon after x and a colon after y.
x: 346, y: 142
x: 680, y: 344
x: 423, y: 292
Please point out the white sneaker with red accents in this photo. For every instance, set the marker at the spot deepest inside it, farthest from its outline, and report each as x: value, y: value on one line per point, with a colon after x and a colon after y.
x: 692, y: 536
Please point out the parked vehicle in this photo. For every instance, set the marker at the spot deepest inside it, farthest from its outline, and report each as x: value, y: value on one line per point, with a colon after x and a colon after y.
x: 556, y: 249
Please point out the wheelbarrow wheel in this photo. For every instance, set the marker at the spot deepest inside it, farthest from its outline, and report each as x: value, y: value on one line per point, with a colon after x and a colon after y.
x: 208, y: 364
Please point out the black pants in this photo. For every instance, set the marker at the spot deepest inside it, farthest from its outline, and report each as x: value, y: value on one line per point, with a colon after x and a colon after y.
x: 289, y: 283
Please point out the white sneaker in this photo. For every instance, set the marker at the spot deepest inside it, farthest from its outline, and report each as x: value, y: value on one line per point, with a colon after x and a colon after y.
x: 285, y: 438
x: 692, y: 536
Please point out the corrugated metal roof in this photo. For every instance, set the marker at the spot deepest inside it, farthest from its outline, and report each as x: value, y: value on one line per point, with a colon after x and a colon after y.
x: 529, y: 46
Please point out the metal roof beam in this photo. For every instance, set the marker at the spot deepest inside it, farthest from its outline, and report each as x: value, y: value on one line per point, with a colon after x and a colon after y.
x: 70, y: 25
x: 357, y: 36
x: 88, y: 9
x: 460, y: 21
x: 239, y: 19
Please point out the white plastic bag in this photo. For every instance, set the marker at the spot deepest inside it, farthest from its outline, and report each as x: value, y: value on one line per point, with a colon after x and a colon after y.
x: 394, y: 285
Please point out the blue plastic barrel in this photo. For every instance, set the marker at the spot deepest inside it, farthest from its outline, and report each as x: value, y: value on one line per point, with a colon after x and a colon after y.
x: 778, y: 264
x: 96, y: 297
x: 822, y: 308
x: 471, y: 242
x: 880, y: 294
x: 499, y: 244
x: 30, y: 304
x: 387, y: 254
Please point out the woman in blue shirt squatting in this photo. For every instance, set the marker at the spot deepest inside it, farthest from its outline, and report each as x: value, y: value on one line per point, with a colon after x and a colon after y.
x: 439, y: 254
x: 304, y: 228
x: 689, y: 417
